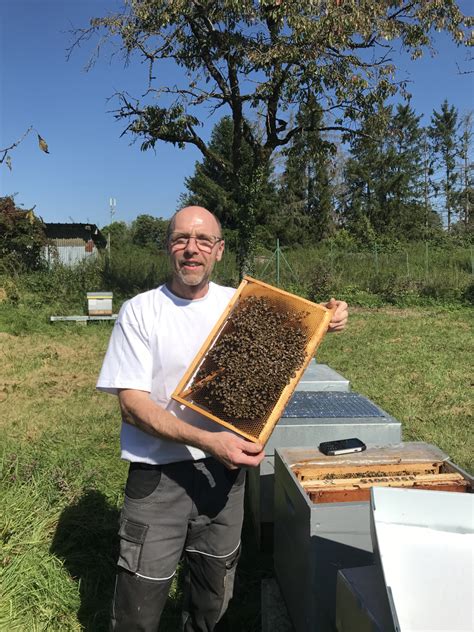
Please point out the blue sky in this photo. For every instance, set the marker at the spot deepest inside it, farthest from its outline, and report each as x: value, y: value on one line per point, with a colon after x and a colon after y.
x: 88, y: 161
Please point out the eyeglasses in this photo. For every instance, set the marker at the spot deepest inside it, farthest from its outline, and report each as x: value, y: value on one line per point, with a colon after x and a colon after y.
x: 205, y: 243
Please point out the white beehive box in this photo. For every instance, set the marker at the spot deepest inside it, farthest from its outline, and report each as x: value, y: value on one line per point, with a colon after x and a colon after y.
x: 316, y: 536
x: 99, y: 303
x: 424, y: 543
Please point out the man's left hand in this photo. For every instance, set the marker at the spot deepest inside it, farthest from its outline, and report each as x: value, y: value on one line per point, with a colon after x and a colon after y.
x: 340, y: 314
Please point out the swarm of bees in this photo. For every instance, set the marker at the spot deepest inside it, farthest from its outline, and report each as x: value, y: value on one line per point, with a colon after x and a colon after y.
x: 254, y: 358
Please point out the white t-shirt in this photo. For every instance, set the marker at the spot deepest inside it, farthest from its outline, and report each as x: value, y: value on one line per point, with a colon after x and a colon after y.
x: 154, y: 340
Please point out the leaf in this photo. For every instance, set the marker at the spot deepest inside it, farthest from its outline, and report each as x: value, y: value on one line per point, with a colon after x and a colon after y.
x: 8, y: 162
x: 43, y: 145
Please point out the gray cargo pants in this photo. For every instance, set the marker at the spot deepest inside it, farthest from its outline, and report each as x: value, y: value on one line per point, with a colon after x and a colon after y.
x: 190, y: 507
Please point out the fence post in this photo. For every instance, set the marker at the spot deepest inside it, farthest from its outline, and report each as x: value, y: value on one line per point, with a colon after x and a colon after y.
x: 278, y: 263
x: 426, y: 259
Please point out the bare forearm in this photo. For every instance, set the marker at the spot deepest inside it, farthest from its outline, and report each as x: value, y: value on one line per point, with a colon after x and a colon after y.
x: 139, y: 410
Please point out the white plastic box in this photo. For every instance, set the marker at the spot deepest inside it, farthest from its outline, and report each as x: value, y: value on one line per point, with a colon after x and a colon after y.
x: 424, y: 543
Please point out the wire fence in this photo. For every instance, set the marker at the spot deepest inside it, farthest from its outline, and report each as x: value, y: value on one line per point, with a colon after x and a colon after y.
x: 420, y: 264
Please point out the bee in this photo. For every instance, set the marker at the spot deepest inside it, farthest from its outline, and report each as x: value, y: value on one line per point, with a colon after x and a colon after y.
x: 259, y: 350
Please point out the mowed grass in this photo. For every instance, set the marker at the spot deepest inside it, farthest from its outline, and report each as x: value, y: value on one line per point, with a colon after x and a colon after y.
x: 62, y: 479
x: 417, y: 365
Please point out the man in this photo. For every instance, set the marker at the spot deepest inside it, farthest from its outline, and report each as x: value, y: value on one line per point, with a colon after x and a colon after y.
x: 185, y: 487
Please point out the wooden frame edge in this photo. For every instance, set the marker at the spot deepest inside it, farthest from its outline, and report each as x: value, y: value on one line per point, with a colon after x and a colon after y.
x: 210, y: 338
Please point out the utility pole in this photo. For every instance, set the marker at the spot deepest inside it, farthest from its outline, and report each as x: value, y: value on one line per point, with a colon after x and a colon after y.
x: 112, y: 205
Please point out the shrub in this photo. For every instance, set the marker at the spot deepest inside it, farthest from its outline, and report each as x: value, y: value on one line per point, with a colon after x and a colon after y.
x: 468, y: 294
x: 394, y: 289
x: 22, y: 236
x: 321, y: 284
x: 354, y: 295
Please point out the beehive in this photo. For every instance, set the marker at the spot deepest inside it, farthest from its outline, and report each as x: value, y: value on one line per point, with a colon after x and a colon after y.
x: 297, y: 325
x: 314, y: 539
x: 352, y: 483
x: 99, y: 303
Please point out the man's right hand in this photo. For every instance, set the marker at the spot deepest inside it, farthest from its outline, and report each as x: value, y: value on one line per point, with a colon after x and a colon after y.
x: 234, y: 451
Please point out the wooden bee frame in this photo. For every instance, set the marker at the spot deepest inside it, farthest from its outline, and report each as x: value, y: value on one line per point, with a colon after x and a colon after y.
x: 352, y: 483
x: 313, y: 321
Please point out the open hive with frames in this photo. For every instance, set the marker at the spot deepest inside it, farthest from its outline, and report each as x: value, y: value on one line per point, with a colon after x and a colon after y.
x: 251, y: 362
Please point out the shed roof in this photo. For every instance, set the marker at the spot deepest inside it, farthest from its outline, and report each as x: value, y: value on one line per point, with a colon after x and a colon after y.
x: 74, y: 230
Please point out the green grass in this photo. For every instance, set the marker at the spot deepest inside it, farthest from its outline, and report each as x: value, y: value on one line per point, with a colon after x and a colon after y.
x: 62, y: 479
x: 417, y: 365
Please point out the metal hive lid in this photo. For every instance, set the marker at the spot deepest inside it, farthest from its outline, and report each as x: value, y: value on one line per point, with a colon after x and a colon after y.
x: 321, y: 405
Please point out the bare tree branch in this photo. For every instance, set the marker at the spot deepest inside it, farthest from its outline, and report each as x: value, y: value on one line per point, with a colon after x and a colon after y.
x: 5, y: 151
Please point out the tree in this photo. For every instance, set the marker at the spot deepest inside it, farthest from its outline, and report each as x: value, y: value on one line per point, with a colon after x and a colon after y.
x: 387, y: 177
x: 407, y: 215
x: 465, y: 198
x: 147, y: 230
x: 428, y: 186
x: 261, y: 59
x: 5, y: 153
x: 119, y: 232
x: 368, y: 178
x: 306, y: 195
x: 22, y: 236
x: 443, y: 133
x: 210, y: 185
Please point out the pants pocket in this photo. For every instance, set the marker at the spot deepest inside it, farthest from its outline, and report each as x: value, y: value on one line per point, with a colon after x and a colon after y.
x: 142, y: 481
x: 132, y: 536
x: 229, y: 581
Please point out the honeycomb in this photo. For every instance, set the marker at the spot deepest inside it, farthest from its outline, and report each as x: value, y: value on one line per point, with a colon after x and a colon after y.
x: 253, y: 360
x: 250, y: 365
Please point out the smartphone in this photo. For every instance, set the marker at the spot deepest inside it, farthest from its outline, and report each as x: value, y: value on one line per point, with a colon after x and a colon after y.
x: 342, y: 446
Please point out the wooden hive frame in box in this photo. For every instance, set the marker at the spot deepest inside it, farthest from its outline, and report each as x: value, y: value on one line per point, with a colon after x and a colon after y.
x: 352, y: 483
x: 312, y: 319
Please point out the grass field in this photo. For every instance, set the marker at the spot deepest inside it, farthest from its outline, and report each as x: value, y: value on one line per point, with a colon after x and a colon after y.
x: 62, y: 478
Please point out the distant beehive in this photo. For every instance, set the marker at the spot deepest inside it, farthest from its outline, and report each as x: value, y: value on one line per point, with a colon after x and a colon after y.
x: 99, y: 303
x: 251, y: 362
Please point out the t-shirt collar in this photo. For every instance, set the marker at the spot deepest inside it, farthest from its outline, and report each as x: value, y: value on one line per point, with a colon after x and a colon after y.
x: 178, y: 300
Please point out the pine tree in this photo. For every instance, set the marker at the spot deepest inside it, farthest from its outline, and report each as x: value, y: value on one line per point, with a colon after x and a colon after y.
x: 386, y: 177
x: 212, y: 187
x: 366, y: 178
x: 465, y: 198
x: 428, y: 185
x: 406, y: 210
x: 306, y: 195
x: 443, y: 133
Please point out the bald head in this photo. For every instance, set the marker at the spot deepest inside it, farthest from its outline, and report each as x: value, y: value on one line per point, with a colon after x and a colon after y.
x: 196, y: 217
